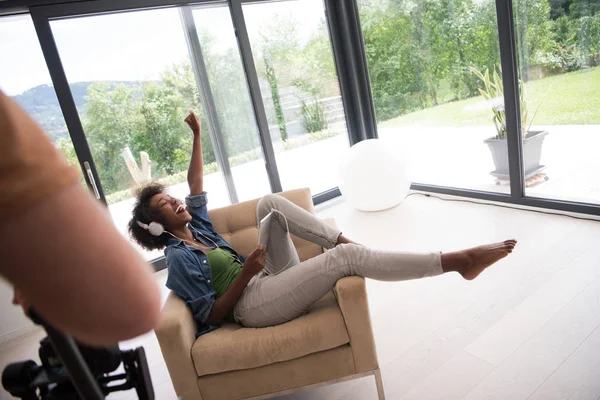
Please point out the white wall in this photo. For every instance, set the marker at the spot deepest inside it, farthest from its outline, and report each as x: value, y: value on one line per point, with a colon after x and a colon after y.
x: 13, y: 322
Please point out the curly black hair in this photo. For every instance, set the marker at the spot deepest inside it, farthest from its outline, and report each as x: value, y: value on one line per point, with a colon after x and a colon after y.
x: 143, y: 213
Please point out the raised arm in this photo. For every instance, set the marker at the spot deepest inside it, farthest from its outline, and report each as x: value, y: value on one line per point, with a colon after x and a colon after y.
x: 195, y: 175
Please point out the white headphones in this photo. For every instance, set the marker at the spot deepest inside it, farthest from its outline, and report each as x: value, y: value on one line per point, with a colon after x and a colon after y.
x: 157, y: 229
x: 154, y: 228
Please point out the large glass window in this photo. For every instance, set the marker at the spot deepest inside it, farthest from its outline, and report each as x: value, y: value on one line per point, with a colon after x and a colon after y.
x: 229, y: 88
x: 300, y: 90
x: 558, y: 46
x: 434, y: 68
x: 133, y: 85
x: 435, y: 76
x: 24, y: 77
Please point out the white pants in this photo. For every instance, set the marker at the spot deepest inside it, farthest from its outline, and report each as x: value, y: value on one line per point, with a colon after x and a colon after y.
x: 286, y: 287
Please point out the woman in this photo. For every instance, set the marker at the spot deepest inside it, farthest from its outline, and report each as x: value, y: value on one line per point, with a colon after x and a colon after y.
x: 271, y: 286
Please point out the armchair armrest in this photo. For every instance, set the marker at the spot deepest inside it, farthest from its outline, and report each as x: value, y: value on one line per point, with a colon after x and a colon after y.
x: 176, y: 335
x: 351, y: 295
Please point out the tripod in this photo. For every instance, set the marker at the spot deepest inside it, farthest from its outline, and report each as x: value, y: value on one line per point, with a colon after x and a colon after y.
x: 72, y: 371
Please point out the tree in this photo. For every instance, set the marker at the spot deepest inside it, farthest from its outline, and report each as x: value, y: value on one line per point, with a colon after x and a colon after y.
x: 472, y: 30
x: 110, y: 121
x: 230, y: 92
x: 393, y: 61
x: 534, y: 33
x: 180, y: 79
x: 278, y: 41
x: 313, y: 67
x: 588, y: 38
x: 413, y: 46
x: 161, y: 131
x: 558, y: 8
x: 146, y: 116
x: 65, y: 145
x: 274, y: 85
x: 431, y: 48
x: 583, y: 8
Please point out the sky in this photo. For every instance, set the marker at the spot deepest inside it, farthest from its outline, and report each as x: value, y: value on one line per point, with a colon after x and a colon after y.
x: 20, y: 67
x: 129, y: 46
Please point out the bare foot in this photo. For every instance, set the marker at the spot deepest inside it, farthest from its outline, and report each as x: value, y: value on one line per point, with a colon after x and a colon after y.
x: 470, y: 263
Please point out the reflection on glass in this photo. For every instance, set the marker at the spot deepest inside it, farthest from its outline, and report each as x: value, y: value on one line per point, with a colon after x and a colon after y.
x: 24, y: 77
x: 133, y: 85
x: 558, y: 46
x: 432, y: 66
x: 229, y: 88
x: 300, y: 90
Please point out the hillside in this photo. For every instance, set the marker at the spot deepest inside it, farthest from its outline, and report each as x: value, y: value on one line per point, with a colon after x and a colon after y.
x: 41, y: 103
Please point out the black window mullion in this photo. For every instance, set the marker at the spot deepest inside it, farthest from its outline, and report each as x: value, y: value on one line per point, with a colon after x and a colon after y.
x: 67, y: 103
x: 69, y: 8
x: 510, y: 81
x: 326, y: 195
x: 351, y: 64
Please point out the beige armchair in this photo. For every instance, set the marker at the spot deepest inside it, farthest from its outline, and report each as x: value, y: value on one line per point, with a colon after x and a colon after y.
x: 333, y: 342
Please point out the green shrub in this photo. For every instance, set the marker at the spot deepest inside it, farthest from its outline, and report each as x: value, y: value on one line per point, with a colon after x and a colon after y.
x: 313, y: 116
x: 493, y: 91
x: 273, y: 83
x: 569, y: 57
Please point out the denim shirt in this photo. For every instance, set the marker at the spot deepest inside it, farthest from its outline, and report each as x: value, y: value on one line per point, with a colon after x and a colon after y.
x: 189, y: 273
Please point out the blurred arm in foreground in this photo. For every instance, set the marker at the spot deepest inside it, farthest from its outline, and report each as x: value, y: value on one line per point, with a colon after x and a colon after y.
x: 59, y: 247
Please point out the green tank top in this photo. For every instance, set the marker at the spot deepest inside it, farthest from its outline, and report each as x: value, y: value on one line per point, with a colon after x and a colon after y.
x: 225, y: 268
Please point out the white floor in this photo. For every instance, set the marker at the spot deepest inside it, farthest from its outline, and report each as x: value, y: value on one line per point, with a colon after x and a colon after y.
x: 525, y: 329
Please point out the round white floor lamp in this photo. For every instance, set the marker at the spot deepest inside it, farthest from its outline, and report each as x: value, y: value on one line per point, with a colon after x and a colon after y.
x: 373, y: 176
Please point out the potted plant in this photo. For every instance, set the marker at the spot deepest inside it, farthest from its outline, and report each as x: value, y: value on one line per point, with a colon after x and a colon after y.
x: 493, y: 92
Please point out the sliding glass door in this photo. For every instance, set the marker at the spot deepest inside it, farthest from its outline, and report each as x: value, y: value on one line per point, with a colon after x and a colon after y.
x: 491, y: 99
x: 24, y: 78
x: 233, y: 104
x: 435, y: 75
x: 300, y: 89
x: 484, y: 98
x: 127, y: 78
x: 558, y: 51
x: 133, y: 85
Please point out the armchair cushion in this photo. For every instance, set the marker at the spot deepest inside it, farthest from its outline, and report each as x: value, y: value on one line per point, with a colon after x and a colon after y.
x: 310, y: 369
x: 233, y: 347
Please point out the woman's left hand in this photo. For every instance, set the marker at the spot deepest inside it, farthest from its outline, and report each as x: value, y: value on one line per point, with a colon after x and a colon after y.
x: 193, y: 122
x: 255, y: 261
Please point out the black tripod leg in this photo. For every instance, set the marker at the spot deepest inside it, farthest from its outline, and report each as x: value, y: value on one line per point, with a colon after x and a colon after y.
x: 82, y: 378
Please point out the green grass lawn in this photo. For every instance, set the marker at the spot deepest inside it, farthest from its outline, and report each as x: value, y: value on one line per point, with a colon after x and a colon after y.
x: 571, y: 98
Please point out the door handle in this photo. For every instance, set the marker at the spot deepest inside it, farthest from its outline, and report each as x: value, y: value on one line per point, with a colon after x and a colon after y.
x: 90, y: 175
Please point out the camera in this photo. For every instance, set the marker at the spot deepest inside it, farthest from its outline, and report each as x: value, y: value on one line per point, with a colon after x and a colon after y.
x: 51, y: 381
